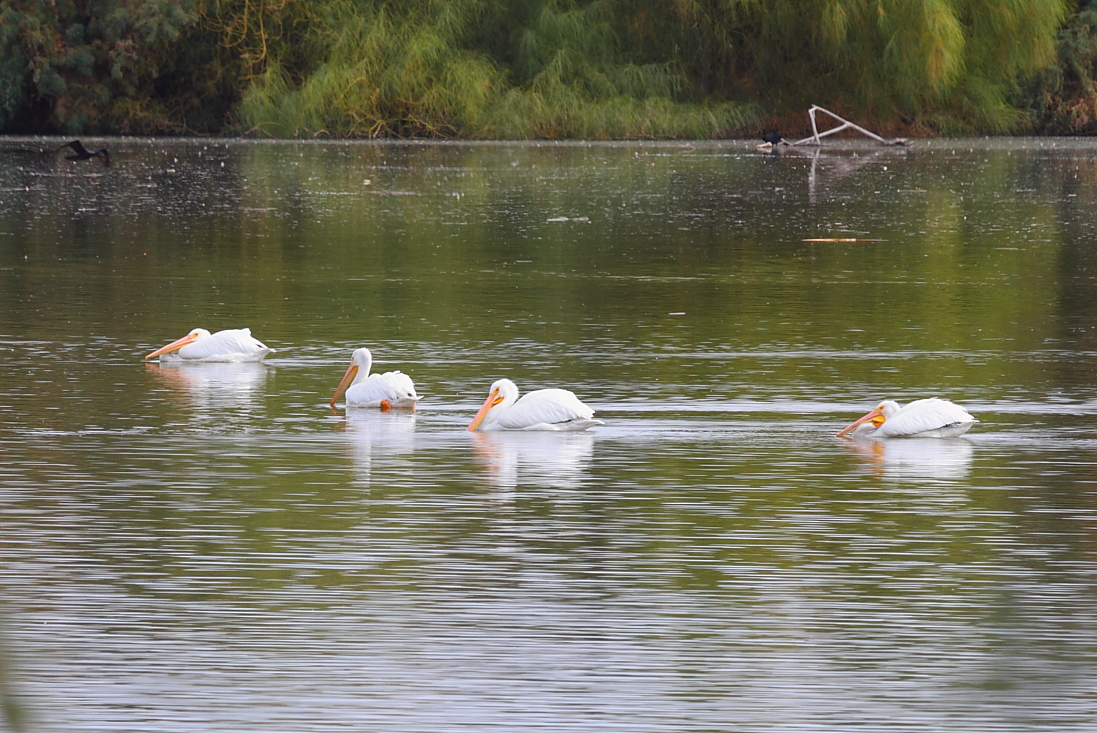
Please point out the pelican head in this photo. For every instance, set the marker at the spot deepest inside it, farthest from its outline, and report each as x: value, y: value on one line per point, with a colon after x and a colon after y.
x: 877, y: 417
x: 198, y: 333
x: 360, y: 364
x: 503, y: 392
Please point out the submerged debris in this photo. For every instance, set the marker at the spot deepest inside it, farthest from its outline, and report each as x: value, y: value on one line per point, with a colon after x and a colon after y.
x: 817, y: 136
x: 773, y: 139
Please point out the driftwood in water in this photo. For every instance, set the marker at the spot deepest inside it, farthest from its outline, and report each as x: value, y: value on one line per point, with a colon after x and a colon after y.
x: 816, y: 138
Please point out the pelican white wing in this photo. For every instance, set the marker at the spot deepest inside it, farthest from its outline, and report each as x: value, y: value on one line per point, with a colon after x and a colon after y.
x: 231, y: 345
x: 391, y: 389
x: 395, y: 388
x: 547, y: 409
x: 235, y: 344
x: 931, y: 418
x: 543, y: 409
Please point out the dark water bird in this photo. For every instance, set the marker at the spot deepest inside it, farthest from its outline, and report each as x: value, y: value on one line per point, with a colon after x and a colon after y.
x: 773, y: 138
x: 83, y: 153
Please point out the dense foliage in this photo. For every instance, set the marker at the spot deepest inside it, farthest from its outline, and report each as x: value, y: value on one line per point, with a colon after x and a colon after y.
x: 1062, y: 100
x: 542, y: 68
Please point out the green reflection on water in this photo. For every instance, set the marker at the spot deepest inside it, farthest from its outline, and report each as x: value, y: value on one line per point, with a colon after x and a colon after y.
x: 458, y: 240
x: 670, y: 287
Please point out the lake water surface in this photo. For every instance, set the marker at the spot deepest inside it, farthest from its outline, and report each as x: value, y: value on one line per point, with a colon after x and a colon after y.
x: 211, y: 548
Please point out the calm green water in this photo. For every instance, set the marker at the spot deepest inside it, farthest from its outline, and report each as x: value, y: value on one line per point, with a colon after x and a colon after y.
x: 210, y: 548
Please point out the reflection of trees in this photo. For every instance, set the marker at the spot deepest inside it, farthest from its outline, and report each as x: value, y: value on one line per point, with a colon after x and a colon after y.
x: 439, y: 231
x: 430, y: 242
x: 10, y: 710
x: 1074, y: 181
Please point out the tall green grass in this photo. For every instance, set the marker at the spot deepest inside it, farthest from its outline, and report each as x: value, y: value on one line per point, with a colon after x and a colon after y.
x: 1062, y: 100
x: 383, y: 73
x: 954, y: 64
x: 541, y: 68
x: 417, y: 71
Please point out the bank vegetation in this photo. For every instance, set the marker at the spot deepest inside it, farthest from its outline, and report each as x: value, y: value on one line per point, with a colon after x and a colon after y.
x: 521, y: 69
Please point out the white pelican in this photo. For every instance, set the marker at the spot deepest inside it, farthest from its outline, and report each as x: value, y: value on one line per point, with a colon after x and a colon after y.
x: 932, y: 418
x: 391, y: 389
x: 543, y: 409
x: 233, y: 345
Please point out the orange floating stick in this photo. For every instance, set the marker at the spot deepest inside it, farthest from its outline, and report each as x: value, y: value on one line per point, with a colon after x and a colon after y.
x: 842, y: 239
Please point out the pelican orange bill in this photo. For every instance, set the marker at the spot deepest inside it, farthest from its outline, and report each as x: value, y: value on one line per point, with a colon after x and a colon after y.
x: 876, y: 417
x: 493, y: 399
x: 174, y: 345
x: 352, y: 372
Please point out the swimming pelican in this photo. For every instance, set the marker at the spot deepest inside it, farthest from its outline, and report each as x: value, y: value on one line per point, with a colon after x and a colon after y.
x: 932, y: 418
x: 391, y: 389
x: 232, y: 345
x: 543, y: 409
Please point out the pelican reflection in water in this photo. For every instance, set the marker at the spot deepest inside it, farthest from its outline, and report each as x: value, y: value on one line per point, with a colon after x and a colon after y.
x: 379, y: 441
x: 215, y: 392
x: 510, y: 459
x: 916, y: 458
